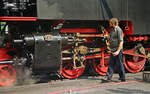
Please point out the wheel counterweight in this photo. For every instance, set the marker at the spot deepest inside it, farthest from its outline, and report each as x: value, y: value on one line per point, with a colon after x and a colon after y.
x: 134, y: 63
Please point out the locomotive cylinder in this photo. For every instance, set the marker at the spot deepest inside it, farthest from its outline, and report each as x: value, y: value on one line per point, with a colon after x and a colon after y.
x: 47, y: 50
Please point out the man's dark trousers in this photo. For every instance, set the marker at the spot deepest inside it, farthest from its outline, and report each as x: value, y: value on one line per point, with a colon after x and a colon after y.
x: 118, y: 61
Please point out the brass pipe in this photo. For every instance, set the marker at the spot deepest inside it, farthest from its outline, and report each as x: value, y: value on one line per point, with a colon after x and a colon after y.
x: 65, y: 52
x: 90, y: 35
x: 66, y: 58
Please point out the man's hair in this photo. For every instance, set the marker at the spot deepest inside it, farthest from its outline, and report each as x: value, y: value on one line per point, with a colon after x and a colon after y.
x: 114, y: 21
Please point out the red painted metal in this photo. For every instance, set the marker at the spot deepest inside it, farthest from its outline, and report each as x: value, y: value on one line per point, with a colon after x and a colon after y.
x: 127, y: 27
x: 134, y: 62
x: 79, y: 30
x: 139, y: 38
x: 7, y: 75
x: 3, y: 54
x: 134, y: 65
x: 131, y: 52
x: 69, y: 72
x: 101, y: 67
x: 18, y: 18
x: 94, y: 56
x: 147, y: 49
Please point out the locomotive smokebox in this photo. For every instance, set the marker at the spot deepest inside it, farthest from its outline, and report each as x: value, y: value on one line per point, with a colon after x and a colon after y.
x: 47, y: 54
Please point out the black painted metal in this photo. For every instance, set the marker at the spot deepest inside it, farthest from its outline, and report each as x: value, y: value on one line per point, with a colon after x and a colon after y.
x: 137, y: 11
x: 47, y: 55
x: 68, y: 9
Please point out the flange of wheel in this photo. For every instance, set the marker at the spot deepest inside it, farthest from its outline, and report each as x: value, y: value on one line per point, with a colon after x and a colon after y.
x: 7, y: 75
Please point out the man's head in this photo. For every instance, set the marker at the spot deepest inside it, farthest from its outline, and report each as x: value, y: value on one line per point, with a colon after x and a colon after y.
x: 113, y: 22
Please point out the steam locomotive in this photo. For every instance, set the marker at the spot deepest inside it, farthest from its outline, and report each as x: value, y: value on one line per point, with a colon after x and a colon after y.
x: 63, y: 36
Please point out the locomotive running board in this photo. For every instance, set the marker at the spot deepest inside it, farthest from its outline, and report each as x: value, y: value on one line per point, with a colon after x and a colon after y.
x: 18, y: 18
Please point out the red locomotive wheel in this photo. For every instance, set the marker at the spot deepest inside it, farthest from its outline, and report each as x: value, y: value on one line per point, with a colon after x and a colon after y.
x: 69, y: 72
x: 100, y: 68
x: 7, y: 75
x: 133, y: 63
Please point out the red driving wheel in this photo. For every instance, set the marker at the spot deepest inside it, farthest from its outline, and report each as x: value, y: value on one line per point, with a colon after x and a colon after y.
x: 7, y: 75
x: 134, y: 63
x: 69, y: 72
x: 101, y: 68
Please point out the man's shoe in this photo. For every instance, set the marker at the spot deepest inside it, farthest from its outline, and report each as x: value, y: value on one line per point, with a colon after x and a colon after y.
x: 123, y: 80
x: 106, y: 79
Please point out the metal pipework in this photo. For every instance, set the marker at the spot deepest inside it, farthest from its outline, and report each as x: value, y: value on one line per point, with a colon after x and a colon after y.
x: 18, y: 41
x: 66, y: 58
x: 7, y: 62
x: 89, y: 35
x: 29, y: 40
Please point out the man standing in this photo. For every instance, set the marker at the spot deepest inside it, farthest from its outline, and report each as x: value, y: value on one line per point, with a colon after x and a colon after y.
x: 116, y: 48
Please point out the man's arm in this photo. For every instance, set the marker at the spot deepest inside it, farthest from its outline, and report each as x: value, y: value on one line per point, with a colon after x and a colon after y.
x: 120, y: 46
x: 107, y: 40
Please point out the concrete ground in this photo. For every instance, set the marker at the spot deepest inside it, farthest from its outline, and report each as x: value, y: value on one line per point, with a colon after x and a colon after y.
x: 84, y: 85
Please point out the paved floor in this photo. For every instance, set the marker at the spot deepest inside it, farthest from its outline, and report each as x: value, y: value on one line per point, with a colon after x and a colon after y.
x: 84, y: 85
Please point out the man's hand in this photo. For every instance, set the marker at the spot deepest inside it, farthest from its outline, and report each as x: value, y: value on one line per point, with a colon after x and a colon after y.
x: 119, y: 48
x: 116, y: 53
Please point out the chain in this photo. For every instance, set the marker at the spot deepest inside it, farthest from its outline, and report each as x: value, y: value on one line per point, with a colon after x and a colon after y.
x: 127, y: 25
